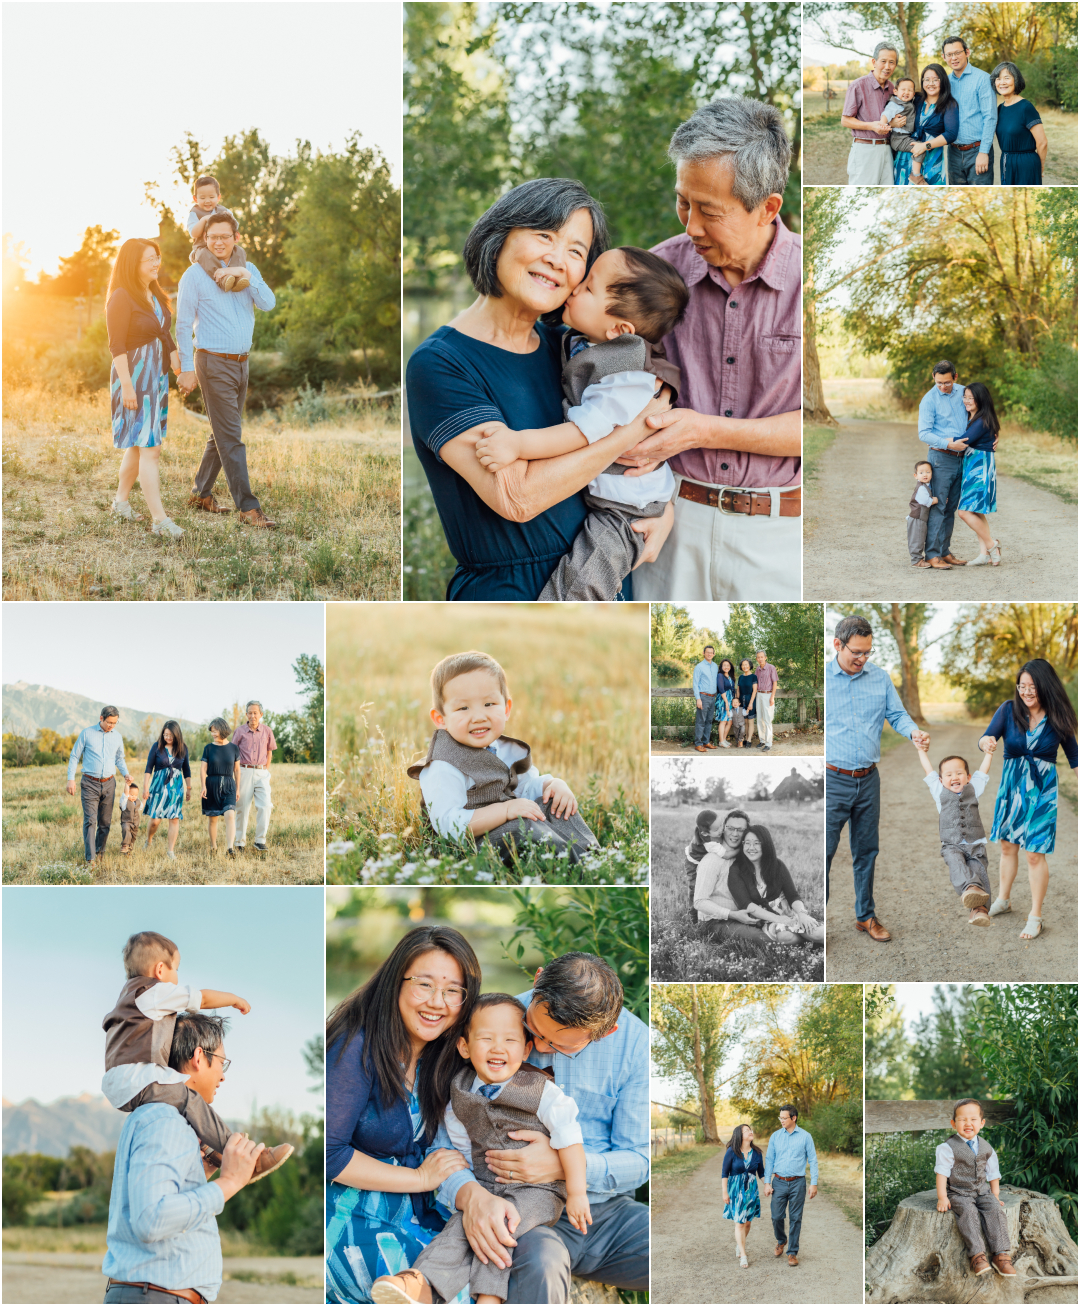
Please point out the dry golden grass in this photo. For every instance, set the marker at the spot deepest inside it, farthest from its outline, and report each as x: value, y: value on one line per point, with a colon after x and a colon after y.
x: 333, y: 488
x: 43, y: 837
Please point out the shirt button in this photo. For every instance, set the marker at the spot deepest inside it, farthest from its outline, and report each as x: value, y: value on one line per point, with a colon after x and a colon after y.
x: 733, y: 304
x: 723, y: 467
x: 731, y: 360
x: 727, y: 412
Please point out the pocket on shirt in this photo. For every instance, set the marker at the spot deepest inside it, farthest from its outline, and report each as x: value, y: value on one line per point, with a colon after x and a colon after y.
x: 781, y: 344
x: 595, y: 1110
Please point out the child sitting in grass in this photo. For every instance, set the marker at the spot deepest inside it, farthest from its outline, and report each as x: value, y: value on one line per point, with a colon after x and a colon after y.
x: 498, y: 1091
x: 478, y: 780
x: 613, y: 367
x: 968, y: 1177
x: 138, y: 1042
x: 208, y: 203
x: 956, y: 794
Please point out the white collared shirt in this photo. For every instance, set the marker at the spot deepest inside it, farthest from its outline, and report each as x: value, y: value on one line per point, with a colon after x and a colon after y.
x: 945, y: 1158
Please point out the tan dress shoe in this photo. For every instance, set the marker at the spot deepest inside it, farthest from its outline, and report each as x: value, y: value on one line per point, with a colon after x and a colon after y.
x: 257, y: 518
x: 712, y: 745
x: 699, y: 748
x: 939, y: 564
x: 875, y: 929
x: 208, y: 504
x: 979, y: 1264
x: 956, y: 562
x: 779, y: 1249
x: 793, y: 1260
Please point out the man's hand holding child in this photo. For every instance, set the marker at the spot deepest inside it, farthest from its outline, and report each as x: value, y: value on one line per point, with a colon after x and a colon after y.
x: 563, y: 802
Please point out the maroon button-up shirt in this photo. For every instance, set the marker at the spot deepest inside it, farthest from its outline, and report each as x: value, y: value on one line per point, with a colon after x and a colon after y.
x: 866, y: 100
x: 256, y: 746
x: 740, y: 351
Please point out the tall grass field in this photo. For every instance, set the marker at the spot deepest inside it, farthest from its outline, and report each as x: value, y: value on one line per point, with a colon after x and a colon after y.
x: 43, y: 836
x: 332, y: 486
x: 681, y: 951
x: 579, y: 684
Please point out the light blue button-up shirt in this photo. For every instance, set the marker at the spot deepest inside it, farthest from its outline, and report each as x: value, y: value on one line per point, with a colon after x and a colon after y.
x: 161, y: 1209
x: 977, y: 102
x: 942, y: 417
x: 222, y: 321
x: 101, y: 753
x: 856, y: 709
x: 789, y: 1155
x: 705, y: 677
x: 609, y: 1081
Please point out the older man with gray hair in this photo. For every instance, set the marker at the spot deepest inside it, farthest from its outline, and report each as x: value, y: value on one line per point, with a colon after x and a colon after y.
x: 256, y: 743
x: 870, y: 162
x: 734, y: 443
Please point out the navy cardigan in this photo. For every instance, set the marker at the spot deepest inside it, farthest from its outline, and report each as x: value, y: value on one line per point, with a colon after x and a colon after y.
x: 158, y: 760
x: 132, y: 324
x: 743, y: 886
x: 978, y: 437
x: 734, y: 1163
x: 1046, y: 745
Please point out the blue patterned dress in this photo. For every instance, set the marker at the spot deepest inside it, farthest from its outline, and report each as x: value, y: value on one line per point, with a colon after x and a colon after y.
x: 927, y: 126
x: 743, y: 1203
x: 978, y: 489
x: 724, y: 687
x: 369, y: 1234
x: 144, y: 426
x: 1026, y: 809
x: 165, y: 801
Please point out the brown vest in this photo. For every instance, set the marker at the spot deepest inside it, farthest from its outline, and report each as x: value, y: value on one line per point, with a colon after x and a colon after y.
x: 488, y: 1121
x: 968, y: 1173
x: 960, y: 821
x: 920, y: 511
x: 132, y: 1038
x: 492, y: 780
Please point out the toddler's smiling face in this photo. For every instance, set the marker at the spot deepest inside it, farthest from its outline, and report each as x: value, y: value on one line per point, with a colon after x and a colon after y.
x: 474, y: 711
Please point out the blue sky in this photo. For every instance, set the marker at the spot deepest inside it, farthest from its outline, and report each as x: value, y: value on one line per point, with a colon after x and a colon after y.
x: 62, y: 974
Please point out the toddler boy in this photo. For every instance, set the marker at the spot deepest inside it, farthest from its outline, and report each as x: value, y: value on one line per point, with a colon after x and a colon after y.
x: 968, y: 1177
x: 956, y: 794
x: 478, y: 780
x: 919, y: 513
x: 130, y: 806
x: 496, y: 1093
x: 207, y: 204
x: 903, y: 101
x: 696, y: 849
x: 613, y: 366
x: 138, y: 1041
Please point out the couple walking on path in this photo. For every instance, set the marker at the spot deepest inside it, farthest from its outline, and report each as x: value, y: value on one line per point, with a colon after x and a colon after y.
x: 734, y: 702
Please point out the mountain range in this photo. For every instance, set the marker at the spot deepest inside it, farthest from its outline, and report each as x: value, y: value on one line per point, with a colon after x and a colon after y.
x: 30, y: 708
x: 53, y: 1129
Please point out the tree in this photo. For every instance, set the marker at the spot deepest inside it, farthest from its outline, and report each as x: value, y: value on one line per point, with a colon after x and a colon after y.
x: 852, y: 27
x: 887, y: 1049
x: 85, y: 274
x: 739, y: 632
x: 901, y: 627
x: 1017, y: 32
x: 793, y: 636
x: 990, y: 642
x: 172, y: 237
x: 300, y: 733
x: 944, y: 1065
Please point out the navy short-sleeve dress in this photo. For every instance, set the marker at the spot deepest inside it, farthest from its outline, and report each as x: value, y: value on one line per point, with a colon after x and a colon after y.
x: 454, y: 383
x: 1020, y: 165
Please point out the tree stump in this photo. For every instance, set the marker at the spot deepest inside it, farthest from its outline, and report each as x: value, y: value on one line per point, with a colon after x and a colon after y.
x: 586, y: 1290
x: 921, y: 1256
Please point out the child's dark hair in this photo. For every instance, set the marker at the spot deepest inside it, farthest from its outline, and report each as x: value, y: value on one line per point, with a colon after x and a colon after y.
x: 954, y: 757
x: 967, y: 1101
x: 924, y: 462
x: 705, y: 820
x: 206, y: 181
x: 901, y: 80
x: 654, y: 297
x: 497, y: 1000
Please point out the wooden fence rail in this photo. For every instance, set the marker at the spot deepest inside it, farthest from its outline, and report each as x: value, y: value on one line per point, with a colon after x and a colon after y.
x: 910, y: 1117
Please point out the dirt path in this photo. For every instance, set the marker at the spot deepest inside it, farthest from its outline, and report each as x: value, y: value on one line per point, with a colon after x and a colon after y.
x: 76, y: 1277
x: 785, y: 745
x: 693, y: 1249
x: 855, y: 545
x: 931, y: 938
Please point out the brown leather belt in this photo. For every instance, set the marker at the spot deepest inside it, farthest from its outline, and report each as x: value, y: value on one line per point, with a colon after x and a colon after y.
x: 789, y: 1178
x: 188, y: 1294
x: 752, y: 503
x: 861, y: 141
x: 236, y: 358
x: 251, y: 766
x: 856, y: 775
x: 973, y: 146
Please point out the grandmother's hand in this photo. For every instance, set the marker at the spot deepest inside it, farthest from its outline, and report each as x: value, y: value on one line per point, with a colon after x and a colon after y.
x: 655, y: 530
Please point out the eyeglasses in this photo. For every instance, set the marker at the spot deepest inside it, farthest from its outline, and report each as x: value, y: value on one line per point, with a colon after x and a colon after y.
x: 225, y: 1062
x: 561, y: 1051
x: 858, y: 657
x: 425, y: 991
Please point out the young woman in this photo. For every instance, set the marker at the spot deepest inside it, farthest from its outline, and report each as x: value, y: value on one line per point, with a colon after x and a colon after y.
x: 978, y: 485
x: 743, y: 1166
x: 937, y: 120
x: 1020, y: 134
x: 219, y: 774
x: 748, y: 688
x: 390, y: 1056
x: 1039, y: 720
x: 759, y: 881
x: 138, y: 315
x: 725, y: 688
x: 167, y: 784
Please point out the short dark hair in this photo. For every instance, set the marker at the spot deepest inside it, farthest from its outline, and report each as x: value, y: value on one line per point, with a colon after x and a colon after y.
x: 708, y: 646
x: 195, y: 1030
x: 848, y: 627
x: 967, y: 1101
x: 545, y: 204
x: 653, y: 296
x: 215, y: 218
x: 495, y: 1000
x: 791, y: 1109
x: 582, y: 992
x: 1014, y: 73
x: 705, y: 820
x: 940, y: 369
x: 924, y: 462
x: 107, y: 711
x: 220, y: 726
x: 901, y: 80
x: 953, y: 757
x: 737, y: 811
x: 954, y: 40
x: 205, y: 180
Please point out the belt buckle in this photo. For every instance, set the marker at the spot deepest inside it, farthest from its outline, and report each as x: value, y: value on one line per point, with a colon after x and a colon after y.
x: 728, y: 512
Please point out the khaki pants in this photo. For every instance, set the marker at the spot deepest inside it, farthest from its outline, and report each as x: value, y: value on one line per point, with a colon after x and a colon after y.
x: 764, y: 710
x: 869, y: 165
x: 254, y: 786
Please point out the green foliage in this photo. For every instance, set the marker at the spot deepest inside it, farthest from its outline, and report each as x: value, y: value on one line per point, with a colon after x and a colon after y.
x: 610, y: 923
x: 859, y: 27
x: 834, y: 1126
x: 887, y: 1051
x: 299, y: 733
x: 1044, y: 397
x: 30, y: 1176
x: 944, y: 1064
x: 898, y: 1165
x: 989, y: 643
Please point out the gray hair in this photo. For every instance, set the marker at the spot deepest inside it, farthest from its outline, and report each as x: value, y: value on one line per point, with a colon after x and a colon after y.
x: 848, y: 627
x: 107, y: 711
x: 194, y: 1029
x: 748, y: 134
x: 220, y: 726
x: 885, y: 45
x: 253, y: 702
x: 762, y: 651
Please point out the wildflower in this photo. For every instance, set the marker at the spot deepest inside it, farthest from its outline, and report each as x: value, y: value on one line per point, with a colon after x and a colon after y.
x: 340, y: 847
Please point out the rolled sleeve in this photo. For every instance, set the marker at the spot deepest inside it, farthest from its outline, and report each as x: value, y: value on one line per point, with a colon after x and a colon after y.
x: 770, y: 1161
x: 261, y: 294
x: 448, y: 1193
x: 988, y: 107
x: 928, y: 432
x: 811, y: 1156
x: 626, y: 1165
x: 558, y: 1114
x: 943, y: 1159
x: 75, y: 756
x: 612, y: 401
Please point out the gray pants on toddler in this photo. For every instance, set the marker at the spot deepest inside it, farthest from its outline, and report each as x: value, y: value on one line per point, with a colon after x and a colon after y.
x: 967, y: 865
x: 967, y: 1208
x: 916, y: 538
x: 603, y: 554
x: 208, y: 1125
x: 209, y: 264
x: 569, y: 834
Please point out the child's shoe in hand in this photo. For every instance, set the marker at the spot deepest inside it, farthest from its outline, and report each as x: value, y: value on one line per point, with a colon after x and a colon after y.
x: 269, y: 1160
x: 241, y: 282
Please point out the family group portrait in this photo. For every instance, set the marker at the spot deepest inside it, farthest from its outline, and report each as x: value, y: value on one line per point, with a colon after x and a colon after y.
x: 742, y: 676
x: 950, y: 790
x: 969, y: 94
x: 757, y: 1129
x: 940, y: 387
x: 202, y: 783
x: 593, y: 192
x: 487, y: 744
x: 170, y: 1130
x: 202, y: 385
x: 487, y: 1095
x: 970, y: 1118
x: 737, y: 877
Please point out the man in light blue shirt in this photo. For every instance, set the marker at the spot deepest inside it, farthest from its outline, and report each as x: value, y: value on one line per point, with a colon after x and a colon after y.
x: 218, y: 325
x: 971, y: 155
x: 790, y: 1151
x: 163, y: 1241
x: 599, y: 1053
x: 943, y: 420
x: 859, y: 698
x: 704, y: 685
x: 100, y: 748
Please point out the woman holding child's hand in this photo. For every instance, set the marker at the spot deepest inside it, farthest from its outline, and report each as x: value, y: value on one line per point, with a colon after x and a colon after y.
x: 496, y: 370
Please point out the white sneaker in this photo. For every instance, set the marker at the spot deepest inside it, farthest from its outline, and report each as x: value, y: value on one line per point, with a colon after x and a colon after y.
x: 125, y: 510
x: 166, y: 527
